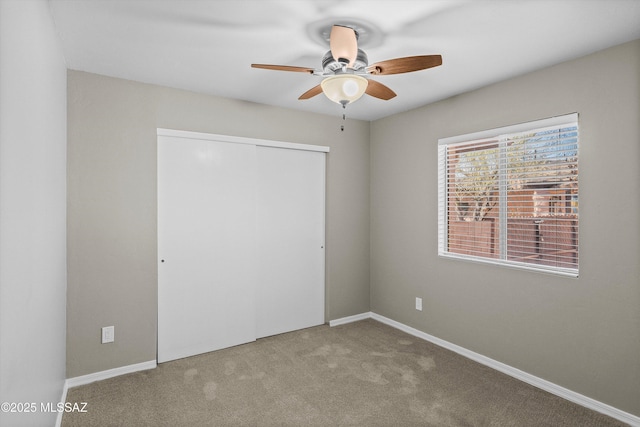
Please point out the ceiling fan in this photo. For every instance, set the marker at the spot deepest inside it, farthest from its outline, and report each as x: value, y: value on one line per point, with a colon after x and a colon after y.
x: 346, y: 69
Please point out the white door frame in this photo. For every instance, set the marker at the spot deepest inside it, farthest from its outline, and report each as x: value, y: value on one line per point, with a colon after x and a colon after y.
x: 245, y: 331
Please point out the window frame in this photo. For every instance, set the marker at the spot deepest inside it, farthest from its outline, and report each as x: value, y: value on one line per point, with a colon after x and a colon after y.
x: 499, y: 134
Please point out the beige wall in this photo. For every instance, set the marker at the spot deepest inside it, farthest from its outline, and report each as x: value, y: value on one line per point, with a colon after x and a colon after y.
x: 582, y: 333
x: 112, y: 206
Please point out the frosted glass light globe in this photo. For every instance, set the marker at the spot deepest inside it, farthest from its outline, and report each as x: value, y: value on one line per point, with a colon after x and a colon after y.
x: 344, y: 88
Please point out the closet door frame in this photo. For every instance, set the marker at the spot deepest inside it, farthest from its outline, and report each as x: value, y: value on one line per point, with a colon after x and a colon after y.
x: 164, y: 354
x: 241, y: 140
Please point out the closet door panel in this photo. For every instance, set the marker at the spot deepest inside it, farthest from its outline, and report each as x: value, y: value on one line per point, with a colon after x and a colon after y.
x: 206, y: 246
x: 290, y: 233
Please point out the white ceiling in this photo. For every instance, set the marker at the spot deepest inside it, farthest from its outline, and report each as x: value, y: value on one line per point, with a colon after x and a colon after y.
x: 207, y: 46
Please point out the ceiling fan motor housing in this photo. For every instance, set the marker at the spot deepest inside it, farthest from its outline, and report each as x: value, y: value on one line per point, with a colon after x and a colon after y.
x: 330, y: 65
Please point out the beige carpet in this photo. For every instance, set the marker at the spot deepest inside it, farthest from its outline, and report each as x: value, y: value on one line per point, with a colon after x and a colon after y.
x: 360, y: 374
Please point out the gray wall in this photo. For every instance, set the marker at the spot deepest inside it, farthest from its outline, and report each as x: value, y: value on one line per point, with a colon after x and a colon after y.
x: 583, y: 334
x: 32, y: 211
x: 112, y: 206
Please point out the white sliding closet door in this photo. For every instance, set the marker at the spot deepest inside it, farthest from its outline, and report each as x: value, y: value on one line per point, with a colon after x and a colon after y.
x: 290, y: 240
x: 206, y: 238
x: 240, y: 240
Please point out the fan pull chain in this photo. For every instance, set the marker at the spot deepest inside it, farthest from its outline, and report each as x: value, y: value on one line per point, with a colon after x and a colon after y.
x: 344, y: 117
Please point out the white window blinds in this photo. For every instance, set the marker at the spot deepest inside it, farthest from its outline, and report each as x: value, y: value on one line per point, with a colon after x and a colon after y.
x: 510, y: 195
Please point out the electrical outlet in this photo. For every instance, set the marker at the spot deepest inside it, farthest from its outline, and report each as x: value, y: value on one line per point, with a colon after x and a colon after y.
x: 418, y: 304
x: 108, y: 334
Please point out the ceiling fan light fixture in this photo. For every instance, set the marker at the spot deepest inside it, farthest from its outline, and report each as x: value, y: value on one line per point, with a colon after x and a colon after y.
x: 344, y: 88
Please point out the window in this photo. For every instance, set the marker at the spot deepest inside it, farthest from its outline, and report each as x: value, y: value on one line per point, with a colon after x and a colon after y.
x: 509, y: 196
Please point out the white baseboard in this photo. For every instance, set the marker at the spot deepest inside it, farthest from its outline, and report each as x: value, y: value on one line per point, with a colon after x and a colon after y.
x: 545, y: 385
x: 63, y: 398
x: 110, y: 373
x: 97, y: 376
x: 350, y: 319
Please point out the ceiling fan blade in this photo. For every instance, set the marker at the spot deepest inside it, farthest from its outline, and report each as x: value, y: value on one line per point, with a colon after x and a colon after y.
x: 343, y: 43
x: 316, y: 90
x: 405, y: 65
x: 284, y: 68
x: 378, y: 90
